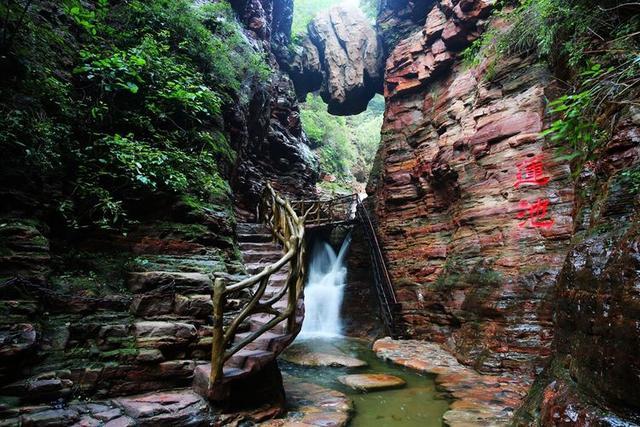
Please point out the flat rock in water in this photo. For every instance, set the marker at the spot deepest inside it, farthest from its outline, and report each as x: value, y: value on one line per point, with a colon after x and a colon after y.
x: 307, y: 358
x: 371, y: 382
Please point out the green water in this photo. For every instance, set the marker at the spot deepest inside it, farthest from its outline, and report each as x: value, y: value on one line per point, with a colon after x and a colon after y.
x: 418, y: 404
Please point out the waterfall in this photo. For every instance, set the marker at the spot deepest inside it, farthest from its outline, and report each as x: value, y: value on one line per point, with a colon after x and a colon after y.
x: 324, y: 291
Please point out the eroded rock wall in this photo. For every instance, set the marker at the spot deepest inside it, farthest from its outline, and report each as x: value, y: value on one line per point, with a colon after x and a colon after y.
x: 265, y: 123
x: 502, y: 285
x: 472, y: 267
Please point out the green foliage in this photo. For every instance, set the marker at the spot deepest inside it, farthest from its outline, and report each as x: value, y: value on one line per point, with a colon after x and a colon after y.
x: 571, y: 127
x: 370, y: 8
x: 329, y: 134
x: 304, y: 11
x: 594, y: 43
x: 455, y: 271
x: 630, y: 178
x: 115, y: 102
x: 346, y: 145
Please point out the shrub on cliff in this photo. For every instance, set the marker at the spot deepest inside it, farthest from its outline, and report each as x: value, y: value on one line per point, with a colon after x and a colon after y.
x: 303, y: 13
x: 107, y: 103
x: 346, y: 145
x: 594, y: 49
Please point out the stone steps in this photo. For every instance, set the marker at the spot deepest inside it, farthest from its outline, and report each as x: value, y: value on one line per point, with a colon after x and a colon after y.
x: 259, y: 251
x: 244, y: 357
x: 258, y: 256
x: 257, y: 267
x: 254, y: 238
x: 255, y: 246
x: 252, y: 228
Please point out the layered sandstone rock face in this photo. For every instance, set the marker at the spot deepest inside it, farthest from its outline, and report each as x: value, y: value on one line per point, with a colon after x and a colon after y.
x: 473, y: 252
x: 493, y: 248
x: 398, y: 19
x: 341, y: 57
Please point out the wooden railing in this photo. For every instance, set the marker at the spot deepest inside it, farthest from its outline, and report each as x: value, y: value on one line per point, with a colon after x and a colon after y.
x: 288, y: 229
x: 324, y: 212
x: 287, y: 223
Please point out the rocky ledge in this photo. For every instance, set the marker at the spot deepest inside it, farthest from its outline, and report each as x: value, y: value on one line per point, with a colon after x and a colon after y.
x: 303, y: 357
x: 479, y: 400
x: 308, y: 404
x: 312, y: 405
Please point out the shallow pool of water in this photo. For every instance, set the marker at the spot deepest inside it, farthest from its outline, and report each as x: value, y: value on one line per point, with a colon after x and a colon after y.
x: 418, y: 404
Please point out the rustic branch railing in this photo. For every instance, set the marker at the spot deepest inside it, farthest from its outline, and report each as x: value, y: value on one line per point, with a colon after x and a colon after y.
x: 287, y: 223
x: 331, y: 211
x: 288, y: 229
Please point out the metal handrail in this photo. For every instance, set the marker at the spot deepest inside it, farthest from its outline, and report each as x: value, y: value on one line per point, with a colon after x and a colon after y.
x: 378, y: 252
x: 340, y: 210
x: 288, y: 229
x: 386, y: 292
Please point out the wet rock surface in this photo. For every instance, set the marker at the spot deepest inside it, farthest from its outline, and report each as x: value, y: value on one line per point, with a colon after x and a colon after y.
x: 371, y: 382
x: 365, y: 322
x: 468, y: 271
x: 308, y: 404
x: 24, y: 249
x: 304, y: 357
x: 312, y: 405
x: 593, y: 377
x: 342, y: 57
x: 165, y: 408
x: 479, y: 400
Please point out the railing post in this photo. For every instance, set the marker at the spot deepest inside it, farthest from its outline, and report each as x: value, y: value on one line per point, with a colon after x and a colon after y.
x: 292, y: 297
x: 217, y: 342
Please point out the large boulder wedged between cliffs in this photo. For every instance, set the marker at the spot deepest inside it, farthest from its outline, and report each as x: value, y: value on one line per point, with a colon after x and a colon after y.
x: 343, y: 58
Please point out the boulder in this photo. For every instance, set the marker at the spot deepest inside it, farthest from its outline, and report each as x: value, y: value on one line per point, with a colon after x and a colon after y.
x: 151, y: 280
x: 16, y: 339
x: 342, y: 57
x: 165, y: 408
x: 152, y: 305
x: 197, y: 306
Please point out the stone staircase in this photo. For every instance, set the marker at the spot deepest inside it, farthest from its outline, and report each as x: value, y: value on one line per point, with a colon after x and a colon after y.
x: 258, y: 251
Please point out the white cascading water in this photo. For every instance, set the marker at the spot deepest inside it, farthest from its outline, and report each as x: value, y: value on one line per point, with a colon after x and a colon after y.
x: 324, y: 291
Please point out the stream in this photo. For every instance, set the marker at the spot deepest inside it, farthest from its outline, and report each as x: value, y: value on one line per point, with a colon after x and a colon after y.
x: 418, y: 404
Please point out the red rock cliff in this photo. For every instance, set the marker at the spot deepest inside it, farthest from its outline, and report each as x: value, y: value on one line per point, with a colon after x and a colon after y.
x: 472, y: 260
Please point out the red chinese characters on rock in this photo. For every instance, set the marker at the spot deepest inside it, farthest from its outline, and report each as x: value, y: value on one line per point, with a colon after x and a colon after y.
x: 531, y: 171
x: 535, y: 214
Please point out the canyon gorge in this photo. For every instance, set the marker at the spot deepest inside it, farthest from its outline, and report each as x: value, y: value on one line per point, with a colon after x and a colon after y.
x: 499, y: 234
